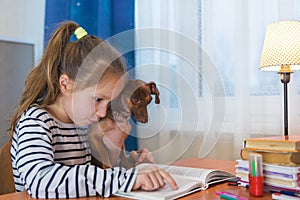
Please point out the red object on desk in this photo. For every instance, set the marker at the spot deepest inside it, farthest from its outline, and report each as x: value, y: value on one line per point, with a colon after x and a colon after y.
x: 256, y: 185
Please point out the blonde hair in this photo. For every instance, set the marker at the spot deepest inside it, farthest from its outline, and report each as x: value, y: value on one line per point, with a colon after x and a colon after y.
x: 86, y: 61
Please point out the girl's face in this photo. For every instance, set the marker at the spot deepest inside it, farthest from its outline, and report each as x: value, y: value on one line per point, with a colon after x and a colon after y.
x: 89, y: 105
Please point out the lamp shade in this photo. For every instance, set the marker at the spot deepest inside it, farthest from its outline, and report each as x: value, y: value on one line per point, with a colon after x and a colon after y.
x: 281, y: 46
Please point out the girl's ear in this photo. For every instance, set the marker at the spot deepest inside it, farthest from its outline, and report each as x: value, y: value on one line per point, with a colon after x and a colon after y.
x: 65, y: 83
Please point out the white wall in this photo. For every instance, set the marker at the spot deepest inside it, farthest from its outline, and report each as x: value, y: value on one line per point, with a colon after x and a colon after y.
x: 20, y: 20
x: 24, y: 20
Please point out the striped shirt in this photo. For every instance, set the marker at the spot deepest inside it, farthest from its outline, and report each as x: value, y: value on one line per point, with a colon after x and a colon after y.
x: 51, y: 159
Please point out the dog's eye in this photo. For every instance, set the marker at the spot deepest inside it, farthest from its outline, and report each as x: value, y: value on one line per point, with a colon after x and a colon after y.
x: 136, y: 101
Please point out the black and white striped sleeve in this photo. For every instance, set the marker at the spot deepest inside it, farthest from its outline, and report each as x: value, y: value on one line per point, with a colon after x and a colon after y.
x: 44, y: 178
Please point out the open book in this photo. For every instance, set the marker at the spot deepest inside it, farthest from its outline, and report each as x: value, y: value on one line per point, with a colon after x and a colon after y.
x: 188, y: 179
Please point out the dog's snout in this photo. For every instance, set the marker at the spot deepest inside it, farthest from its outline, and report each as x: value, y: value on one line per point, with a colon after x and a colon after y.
x: 144, y: 120
x: 141, y: 117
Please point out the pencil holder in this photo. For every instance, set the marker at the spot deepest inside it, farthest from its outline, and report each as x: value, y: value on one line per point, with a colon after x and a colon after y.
x: 256, y: 179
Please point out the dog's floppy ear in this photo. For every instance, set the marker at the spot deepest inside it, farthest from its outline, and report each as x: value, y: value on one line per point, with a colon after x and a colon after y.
x: 155, y: 91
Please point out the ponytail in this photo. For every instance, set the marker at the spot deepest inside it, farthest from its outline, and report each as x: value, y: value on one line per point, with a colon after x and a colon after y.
x: 42, y: 82
x: 64, y: 57
x: 41, y: 85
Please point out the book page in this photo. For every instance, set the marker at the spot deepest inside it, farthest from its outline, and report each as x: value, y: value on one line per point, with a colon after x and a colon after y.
x: 188, y: 180
x: 192, y: 173
x: 185, y: 186
x: 206, y: 176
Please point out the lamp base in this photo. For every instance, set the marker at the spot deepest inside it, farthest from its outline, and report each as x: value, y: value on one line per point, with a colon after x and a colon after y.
x: 285, y: 79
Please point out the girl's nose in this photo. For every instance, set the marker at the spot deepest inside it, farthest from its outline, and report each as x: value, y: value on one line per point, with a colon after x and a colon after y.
x: 102, y: 110
x: 101, y: 114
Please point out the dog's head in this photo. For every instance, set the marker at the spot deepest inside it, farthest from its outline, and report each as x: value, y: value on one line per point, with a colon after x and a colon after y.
x: 136, y: 96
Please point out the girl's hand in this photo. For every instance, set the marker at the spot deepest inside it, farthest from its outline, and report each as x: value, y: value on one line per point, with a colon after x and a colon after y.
x: 141, y: 156
x: 153, y: 178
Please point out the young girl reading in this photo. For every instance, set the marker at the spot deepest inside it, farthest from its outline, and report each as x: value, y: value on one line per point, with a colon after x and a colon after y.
x: 67, y: 91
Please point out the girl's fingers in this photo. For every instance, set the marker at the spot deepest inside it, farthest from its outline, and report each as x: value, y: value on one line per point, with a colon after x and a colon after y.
x: 143, y: 182
x: 160, y: 178
x: 144, y: 155
x: 166, y: 176
x: 133, y: 154
x: 153, y: 178
x: 141, y: 157
x: 148, y: 184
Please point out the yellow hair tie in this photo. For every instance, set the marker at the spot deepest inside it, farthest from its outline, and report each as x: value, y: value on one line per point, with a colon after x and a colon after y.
x: 80, y: 32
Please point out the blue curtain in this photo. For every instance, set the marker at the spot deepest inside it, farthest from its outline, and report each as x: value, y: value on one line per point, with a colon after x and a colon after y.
x: 102, y: 18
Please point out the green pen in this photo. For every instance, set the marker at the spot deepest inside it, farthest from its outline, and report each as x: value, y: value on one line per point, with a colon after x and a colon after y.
x: 255, y: 165
x: 254, y: 168
x: 225, y: 196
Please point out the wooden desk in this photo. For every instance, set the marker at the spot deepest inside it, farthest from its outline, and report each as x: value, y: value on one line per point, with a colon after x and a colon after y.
x: 209, y: 194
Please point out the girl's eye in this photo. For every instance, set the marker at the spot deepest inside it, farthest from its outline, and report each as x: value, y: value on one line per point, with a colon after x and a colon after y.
x: 98, y: 99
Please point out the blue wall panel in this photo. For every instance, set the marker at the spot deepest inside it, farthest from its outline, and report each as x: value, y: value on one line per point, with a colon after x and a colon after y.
x: 102, y: 18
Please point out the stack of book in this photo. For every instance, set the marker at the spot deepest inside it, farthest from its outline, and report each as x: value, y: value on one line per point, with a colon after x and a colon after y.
x: 281, y: 162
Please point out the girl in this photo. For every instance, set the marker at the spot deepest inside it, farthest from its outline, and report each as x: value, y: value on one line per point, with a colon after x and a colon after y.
x: 70, y: 88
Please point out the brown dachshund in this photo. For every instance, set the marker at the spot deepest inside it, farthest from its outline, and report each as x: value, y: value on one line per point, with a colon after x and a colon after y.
x: 107, y: 137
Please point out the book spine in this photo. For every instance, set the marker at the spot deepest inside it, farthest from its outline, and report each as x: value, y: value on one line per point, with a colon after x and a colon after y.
x: 272, y: 173
x: 288, y: 176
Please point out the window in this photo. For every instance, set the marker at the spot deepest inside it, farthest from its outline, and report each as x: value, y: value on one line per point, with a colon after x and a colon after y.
x: 226, y: 98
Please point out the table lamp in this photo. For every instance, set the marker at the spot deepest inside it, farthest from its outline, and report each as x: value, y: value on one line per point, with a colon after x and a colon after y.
x: 281, y: 53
